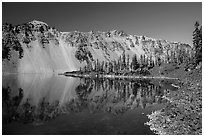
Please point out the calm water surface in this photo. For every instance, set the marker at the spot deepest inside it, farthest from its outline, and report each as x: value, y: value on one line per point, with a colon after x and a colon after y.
x: 48, y: 104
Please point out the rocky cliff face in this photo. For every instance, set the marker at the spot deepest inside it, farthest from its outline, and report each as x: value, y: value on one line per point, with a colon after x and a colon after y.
x: 35, y: 47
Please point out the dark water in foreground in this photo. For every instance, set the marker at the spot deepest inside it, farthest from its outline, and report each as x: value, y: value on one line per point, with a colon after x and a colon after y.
x: 44, y: 104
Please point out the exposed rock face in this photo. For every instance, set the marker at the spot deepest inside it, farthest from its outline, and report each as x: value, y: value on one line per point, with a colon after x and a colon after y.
x: 35, y: 47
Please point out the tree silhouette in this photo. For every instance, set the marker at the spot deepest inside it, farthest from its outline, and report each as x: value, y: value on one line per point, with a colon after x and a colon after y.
x: 128, y: 62
x: 135, y: 65
x: 197, y: 42
x: 123, y: 65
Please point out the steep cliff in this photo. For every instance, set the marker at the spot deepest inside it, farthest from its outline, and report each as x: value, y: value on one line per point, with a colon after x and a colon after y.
x: 35, y: 47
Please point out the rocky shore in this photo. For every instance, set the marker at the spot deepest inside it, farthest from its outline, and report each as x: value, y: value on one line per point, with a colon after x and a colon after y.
x: 183, y: 114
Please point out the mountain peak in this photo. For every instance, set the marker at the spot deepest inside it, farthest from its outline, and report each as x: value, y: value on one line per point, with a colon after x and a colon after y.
x: 36, y: 22
x: 41, y: 49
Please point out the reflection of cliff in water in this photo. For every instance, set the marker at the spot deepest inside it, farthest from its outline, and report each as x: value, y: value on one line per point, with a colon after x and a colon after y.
x: 35, y: 99
x: 39, y: 96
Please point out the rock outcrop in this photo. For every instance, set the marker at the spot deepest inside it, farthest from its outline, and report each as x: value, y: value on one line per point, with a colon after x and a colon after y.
x: 35, y: 47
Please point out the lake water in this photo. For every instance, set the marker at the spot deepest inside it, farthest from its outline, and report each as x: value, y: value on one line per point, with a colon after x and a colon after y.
x: 50, y: 104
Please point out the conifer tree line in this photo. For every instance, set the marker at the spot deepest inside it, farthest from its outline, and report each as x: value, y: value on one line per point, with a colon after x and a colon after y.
x: 140, y: 63
x: 122, y: 64
x: 144, y: 62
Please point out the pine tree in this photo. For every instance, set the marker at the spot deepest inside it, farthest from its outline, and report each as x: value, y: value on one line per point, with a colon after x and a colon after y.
x: 158, y: 61
x: 174, y: 58
x: 128, y: 62
x: 106, y: 67
x: 123, y: 61
x: 97, y: 65
x: 102, y: 69
x: 120, y: 63
x: 151, y: 63
x: 135, y: 65
x: 196, y: 35
x: 145, y: 61
x: 180, y: 56
x: 199, y: 52
x: 167, y: 57
x: 110, y: 67
x: 197, y: 42
x: 141, y: 61
x: 200, y: 36
x: 115, y: 66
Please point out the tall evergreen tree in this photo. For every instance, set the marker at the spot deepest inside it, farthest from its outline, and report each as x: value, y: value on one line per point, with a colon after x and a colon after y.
x: 106, y: 67
x: 180, y: 56
x: 158, y: 61
x: 141, y: 61
x: 94, y: 64
x: 199, y: 52
x: 123, y: 61
x: 145, y: 61
x: 197, y: 42
x: 151, y: 63
x: 120, y: 63
x: 128, y: 62
x: 167, y: 57
x: 115, y: 66
x: 110, y: 67
x: 135, y: 65
x: 102, y: 67
x: 97, y: 65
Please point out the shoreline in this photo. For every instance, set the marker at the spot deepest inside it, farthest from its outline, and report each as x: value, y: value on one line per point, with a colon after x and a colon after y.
x: 115, y: 76
x: 183, y: 115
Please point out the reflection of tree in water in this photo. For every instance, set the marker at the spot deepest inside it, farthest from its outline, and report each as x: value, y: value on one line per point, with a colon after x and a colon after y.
x: 10, y: 105
x: 117, y: 96
x: 83, y: 90
x: 13, y: 110
x: 42, y: 112
x: 112, y: 96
